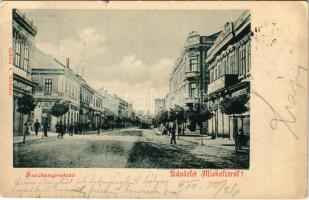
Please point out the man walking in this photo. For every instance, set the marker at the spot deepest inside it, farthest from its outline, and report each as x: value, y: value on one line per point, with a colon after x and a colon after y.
x: 36, y: 125
x: 173, y: 132
x: 61, y: 130
x: 45, y: 127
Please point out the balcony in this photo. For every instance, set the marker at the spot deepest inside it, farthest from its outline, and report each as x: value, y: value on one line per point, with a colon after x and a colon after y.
x: 191, y: 75
x: 191, y: 100
x: 222, y: 82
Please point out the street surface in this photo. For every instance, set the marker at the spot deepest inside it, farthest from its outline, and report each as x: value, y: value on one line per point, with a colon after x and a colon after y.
x: 127, y: 148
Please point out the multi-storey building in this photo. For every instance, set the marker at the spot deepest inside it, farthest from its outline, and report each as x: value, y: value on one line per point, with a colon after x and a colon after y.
x: 110, y: 103
x: 55, y: 82
x: 99, y: 109
x: 159, y: 106
x: 23, y: 38
x: 228, y: 63
x: 188, y: 80
x: 87, y: 108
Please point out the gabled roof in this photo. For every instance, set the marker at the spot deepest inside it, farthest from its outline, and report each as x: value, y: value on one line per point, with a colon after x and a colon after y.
x: 42, y: 61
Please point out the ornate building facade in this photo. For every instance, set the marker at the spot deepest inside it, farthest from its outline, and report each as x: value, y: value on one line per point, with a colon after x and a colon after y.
x: 24, y: 33
x: 228, y: 62
x: 188, y: 80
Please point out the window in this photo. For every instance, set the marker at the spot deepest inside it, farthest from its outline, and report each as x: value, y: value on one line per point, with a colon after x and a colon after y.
x: 226, y: 65
x: 17, y: 53
x: 26, y: 59
x: 232, y: 64
x: 211, y: 75
x: 215, y: 74
x: 242, y: 59
x: 249, y: 57
x: 48, y: 84
x: 193, y: 90
x: 66, y: 87
x: 219, y: 69
x: 193, y: 64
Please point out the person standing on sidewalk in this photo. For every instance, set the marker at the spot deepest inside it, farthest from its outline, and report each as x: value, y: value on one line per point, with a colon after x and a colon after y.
x: 61, y: 130
x: 45, y: 127
x: 36, y: 125
x: 173, y: 132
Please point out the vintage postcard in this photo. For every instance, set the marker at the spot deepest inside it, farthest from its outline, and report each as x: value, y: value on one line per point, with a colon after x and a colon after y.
x: 154, y: 99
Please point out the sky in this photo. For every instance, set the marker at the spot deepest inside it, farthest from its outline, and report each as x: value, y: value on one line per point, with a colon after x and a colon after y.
x: 128, y: 52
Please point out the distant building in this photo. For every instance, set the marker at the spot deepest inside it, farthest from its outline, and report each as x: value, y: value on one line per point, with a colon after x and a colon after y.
x: 159, y: 106
x: 229, y: 63
x: 23, y: 38
x: 55, y: 82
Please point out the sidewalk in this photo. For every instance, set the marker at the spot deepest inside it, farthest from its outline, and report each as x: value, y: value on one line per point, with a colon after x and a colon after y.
x: 32, y: 137
x: 221, y: 143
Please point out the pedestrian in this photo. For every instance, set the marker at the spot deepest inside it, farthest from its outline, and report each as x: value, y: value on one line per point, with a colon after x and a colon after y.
x: 60, y: 130
x: 173, y: 132
x: 98, y: 129
x: 57, y: 127
x: 26, y: 124
x: 45, y: 127
x: 240, y: 138
x: 71, y: 129
x: 179, y: 130
x: 164, y: 130
x: 36, y: 125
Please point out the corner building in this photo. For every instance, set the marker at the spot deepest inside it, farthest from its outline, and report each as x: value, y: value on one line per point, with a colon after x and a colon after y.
x: 24, y: 33
x: 55, y: 82
x: 188, y: 80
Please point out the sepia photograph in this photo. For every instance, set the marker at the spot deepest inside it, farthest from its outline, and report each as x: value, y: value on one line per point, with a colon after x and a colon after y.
x: 167, y: 89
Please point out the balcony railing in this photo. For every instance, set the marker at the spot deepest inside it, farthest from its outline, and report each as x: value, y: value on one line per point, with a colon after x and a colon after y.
x: 222, y: 82
x: 192, y: 74
x: 191, y: 100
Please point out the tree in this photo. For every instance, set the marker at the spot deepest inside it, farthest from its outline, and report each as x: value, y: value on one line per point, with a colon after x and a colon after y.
x: 233, y: 106
x: 163, y: 117
x: 200, y: 116
x: 26, y: 105
x: 60, y: 108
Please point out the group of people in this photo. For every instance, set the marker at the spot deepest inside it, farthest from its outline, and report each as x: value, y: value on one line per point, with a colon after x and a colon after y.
x: 37, y: 126
x: 170, y: 130
x: 62, y: 128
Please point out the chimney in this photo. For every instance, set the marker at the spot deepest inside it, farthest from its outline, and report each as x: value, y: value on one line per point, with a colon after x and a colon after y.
x: 68, y: 63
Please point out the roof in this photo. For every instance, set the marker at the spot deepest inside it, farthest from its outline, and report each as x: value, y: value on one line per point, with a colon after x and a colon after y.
x: 41, y: 60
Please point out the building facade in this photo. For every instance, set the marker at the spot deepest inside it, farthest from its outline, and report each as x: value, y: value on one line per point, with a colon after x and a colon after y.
x: 24, y: 33
x: 188, y: 80
x: 159, y: 106
x: 228, y: 62
x: 55, y: 82
x: 87, y: 109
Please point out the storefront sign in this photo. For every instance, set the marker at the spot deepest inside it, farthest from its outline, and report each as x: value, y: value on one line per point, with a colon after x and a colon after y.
x: 22, y: 86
